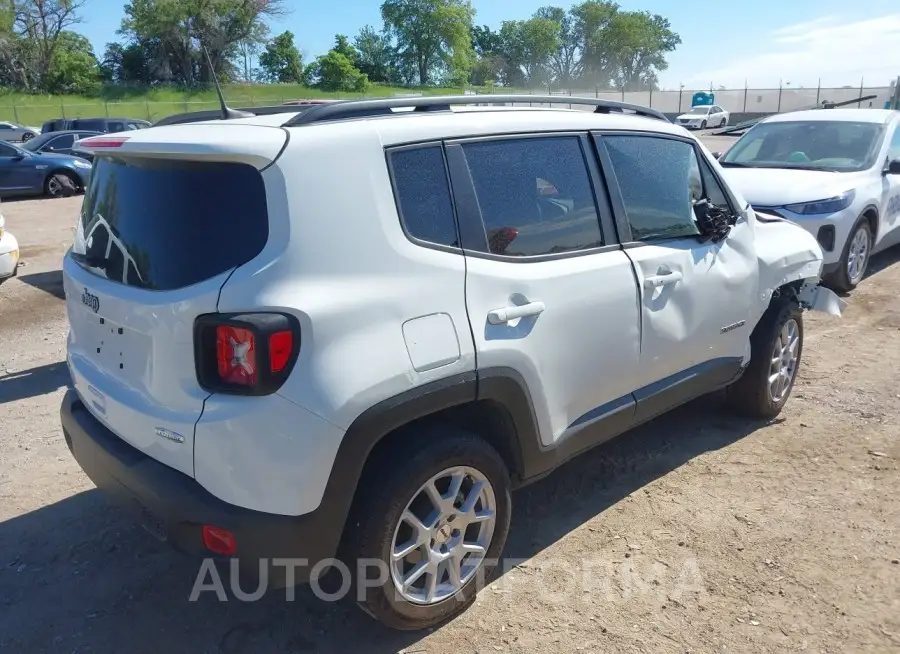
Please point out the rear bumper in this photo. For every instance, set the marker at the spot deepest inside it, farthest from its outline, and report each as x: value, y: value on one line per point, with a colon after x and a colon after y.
x: 174, y: 507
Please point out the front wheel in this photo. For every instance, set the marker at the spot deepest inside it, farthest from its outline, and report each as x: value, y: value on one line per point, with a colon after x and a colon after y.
x: 431, y: 527
x: 855, y: 259
x: 776, y: 347
x: 703, y: 125
x: 60, y: 185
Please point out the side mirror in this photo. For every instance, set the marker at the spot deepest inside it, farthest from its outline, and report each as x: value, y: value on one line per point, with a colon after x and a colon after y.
x: 893, y: 168
x: 717, y: 155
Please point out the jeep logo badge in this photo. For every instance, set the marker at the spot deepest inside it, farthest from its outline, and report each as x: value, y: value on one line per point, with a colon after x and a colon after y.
x: 90, y: 301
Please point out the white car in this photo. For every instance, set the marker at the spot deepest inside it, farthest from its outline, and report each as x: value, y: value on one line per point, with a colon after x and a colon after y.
x: 836, y: 172
x: 703, y: 117
x: 9, y: 252
x: 470, y: 297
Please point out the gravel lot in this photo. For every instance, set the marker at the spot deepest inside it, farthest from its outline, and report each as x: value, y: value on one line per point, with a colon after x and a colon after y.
x: 697, y: 533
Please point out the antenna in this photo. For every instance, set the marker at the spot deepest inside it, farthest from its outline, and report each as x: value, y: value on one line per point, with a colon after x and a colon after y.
x: 227, y: 112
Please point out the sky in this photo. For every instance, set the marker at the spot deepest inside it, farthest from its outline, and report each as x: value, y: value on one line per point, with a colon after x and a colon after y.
x: 795, y: 42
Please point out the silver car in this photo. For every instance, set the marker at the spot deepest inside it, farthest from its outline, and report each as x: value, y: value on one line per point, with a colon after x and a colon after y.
x: 13, y: 132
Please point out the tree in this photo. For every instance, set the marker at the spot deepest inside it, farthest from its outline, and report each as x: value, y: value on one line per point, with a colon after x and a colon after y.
x: 335, y: 72
x: 639, y: 41
x: 40, y: 24
x: 485, y: 41
x: 74, y: 68
x: 281, y: 60
x: 434, y: 34
x: 591, y: 20
x: 564, y: 61
x: 375, y: 56
x: 342, y: 45
x: 171, y: 33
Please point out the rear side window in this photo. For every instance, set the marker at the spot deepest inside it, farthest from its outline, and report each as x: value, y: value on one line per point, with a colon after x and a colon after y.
x: 61, y: 142
x: 660, y: 180
x: 535, y: 195
x: 423, y: 194
x: 164, y: 225
x: 95, y: 125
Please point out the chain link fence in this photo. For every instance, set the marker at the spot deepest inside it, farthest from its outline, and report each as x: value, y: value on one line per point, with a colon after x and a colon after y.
x: 751, y: 102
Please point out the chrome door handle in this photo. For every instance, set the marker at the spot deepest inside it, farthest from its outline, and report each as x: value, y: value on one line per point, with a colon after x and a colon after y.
x: 504, y: 315
x: 657, y: 281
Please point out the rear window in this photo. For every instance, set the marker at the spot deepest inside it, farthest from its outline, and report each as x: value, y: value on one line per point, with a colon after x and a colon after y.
x: 164, y: 225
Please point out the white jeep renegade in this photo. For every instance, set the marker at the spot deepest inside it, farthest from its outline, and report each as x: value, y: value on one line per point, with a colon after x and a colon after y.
x: 348, y: 331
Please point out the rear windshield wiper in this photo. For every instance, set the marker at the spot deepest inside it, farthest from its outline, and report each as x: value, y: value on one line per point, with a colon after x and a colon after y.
x: 89, y: 261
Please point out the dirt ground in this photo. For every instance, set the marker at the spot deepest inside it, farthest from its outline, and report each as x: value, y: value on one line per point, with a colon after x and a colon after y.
x: 697, y: 533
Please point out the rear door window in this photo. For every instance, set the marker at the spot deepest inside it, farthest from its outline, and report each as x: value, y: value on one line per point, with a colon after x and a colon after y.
x: 535, y: 195
x: 96, y: 125
x: 164, y: 225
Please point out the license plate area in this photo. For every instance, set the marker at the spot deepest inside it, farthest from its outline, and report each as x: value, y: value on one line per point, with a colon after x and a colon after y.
x: 112, y: 347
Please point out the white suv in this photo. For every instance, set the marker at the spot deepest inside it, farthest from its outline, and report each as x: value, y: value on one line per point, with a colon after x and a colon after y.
x: 352, y: 329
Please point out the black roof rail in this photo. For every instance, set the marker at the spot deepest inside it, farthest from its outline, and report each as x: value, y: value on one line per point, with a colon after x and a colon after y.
x: 216, y: 114
x: 347, y: 109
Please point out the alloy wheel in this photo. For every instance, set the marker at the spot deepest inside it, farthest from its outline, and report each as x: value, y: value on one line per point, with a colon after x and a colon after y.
x: 443, y: 535
x: 858, y: 255
x: 785, y: 356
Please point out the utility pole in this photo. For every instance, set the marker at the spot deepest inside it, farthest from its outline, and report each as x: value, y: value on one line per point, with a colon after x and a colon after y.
x: 895, y: 100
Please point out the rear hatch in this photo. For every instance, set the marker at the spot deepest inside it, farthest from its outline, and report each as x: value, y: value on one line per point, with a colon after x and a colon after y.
x: 169, y: 214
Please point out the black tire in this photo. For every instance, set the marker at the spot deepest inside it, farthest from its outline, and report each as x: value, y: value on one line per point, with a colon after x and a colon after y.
x: 749, y: 396
x: 386, y: 494
x: 54, y: 185
x: 703, y: 125
x: 27, y: 136
x: 840, y: 279
x: 724, y: 122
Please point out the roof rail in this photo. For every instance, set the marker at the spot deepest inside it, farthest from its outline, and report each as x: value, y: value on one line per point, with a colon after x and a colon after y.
x: 216, y: 114
x: 347, y: 109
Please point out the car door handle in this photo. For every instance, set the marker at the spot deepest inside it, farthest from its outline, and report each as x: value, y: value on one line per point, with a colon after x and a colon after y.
x: 656, y: 281
x: 504, y: 315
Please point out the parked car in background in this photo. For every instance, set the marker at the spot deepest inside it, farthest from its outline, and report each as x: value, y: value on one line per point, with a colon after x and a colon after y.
x: 702, y: 117
x: 104, y: 125
x: 836, y: 172
x: 23, y: 172
x: 60, y: 143
x: 9, y: 253
x: 12, y: 132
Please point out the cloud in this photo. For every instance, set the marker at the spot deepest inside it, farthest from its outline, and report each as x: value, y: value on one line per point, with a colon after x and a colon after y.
x: 837, y: 51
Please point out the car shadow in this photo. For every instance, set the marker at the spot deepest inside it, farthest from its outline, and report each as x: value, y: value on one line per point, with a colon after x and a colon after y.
x: 50, y: 282
x: 33, y: 382
x: 80, y: 576
x: 882, y: 261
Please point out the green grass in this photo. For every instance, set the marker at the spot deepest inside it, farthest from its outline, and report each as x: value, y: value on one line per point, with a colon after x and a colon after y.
x: 154, y: 104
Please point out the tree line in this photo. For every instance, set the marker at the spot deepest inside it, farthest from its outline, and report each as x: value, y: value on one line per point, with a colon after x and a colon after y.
x: 420, y: 43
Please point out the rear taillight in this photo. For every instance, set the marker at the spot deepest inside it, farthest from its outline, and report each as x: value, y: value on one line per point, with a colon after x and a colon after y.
x: 248, y: 353
x: 103, y: 141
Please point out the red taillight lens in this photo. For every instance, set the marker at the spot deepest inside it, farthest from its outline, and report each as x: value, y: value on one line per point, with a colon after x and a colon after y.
x: 281, y: 345
x: 236, y: 355
x: 245, y: 353
x: 218, y: 540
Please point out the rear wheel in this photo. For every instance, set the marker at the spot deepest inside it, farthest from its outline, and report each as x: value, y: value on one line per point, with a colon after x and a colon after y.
x: 776, y: 349
x: 433, y: 522
x: 855, y: 259
x: 724, y: 122
x: 60, y: 185
x: 27, y: 136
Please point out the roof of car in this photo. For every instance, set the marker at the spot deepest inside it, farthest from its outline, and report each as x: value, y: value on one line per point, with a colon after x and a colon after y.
x: 408, y: 126
x: 850, y: 115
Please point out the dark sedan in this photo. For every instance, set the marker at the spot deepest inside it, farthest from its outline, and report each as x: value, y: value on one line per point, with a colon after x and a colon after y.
x: 59, y: 143
x: 23, y: 172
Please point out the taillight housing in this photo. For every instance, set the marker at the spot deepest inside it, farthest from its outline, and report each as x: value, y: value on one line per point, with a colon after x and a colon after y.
x: 245, y: 353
